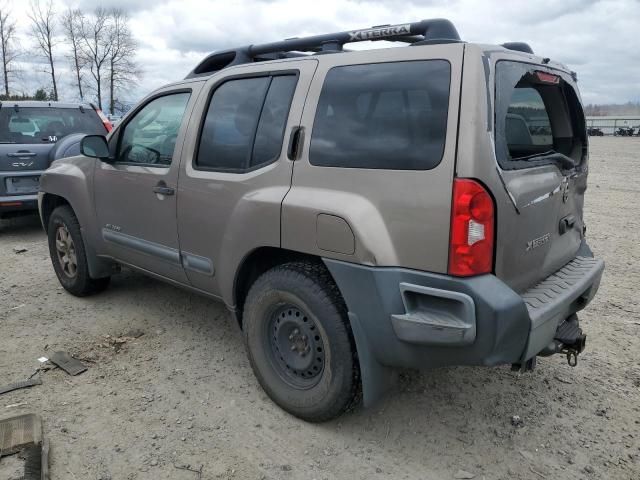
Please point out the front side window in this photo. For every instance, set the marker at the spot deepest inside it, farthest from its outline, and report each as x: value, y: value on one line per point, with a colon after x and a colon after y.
x: 539, y: 119
x: 384, y: 116
x: 149, y: 138
x: 245, y: 122
x: 31, y: 125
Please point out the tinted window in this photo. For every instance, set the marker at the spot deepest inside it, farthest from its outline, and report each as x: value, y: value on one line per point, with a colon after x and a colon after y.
x: 245, y: 123
x: 387, y: 115
x: 46, y: 125
x: 273, y: 120
x: 150, y: 136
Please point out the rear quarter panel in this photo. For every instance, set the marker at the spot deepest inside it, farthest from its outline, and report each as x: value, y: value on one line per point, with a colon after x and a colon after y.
x: 397, y: 217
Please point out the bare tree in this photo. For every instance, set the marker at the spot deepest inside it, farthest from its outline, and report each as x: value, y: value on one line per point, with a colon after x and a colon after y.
x: 9, y: 51
x: 123, y: 70
x: 96, y: 46
x: 71, y: 21
x: 43, y: 26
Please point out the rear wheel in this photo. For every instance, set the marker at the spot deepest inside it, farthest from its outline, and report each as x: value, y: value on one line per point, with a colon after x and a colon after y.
x: 299, y: 342
x: 68, y: 254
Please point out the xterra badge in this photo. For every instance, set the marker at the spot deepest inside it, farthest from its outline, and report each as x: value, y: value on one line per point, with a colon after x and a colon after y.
x: 536, y: 242
x: 380, y: 32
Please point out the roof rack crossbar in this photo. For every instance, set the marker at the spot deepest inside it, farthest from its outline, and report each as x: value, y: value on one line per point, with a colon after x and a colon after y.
x: 433, y: 30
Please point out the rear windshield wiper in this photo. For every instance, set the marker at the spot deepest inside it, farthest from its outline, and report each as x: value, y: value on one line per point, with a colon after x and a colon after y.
x: 558, y: 158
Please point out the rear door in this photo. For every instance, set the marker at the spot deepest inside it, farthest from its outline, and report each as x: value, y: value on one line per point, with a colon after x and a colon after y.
x: 235, y: 168
x: 541, y: 149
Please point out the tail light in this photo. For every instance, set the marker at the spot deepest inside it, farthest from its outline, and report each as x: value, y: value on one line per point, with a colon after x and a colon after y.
x: 472, y: 229
x: 105, y: 120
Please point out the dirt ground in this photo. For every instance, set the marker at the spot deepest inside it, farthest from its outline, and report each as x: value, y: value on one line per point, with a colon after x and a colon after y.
x: 183, y: 394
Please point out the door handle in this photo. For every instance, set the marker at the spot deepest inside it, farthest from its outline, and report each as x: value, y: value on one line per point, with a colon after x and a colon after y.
x: 295, y: 143
x: 162, y: 189
x: 21, y: 154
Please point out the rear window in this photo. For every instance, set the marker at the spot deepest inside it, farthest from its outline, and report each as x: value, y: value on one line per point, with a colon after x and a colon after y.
x: 46, y: 125
x: 245, y: 123
x: 382, y: 116
x: 539, y: 119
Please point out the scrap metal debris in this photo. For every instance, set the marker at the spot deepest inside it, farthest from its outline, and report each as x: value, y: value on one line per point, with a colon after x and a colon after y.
x: 69, y: 364
x: 24, y: 434
x: 19, y: 432
x: 18, y: 385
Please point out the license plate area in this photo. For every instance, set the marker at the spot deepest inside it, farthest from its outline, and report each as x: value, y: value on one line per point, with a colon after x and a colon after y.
x: 23, y: 185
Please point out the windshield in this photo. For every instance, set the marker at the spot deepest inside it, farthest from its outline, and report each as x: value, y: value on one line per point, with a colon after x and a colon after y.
x: 539, y: 119
x: 47, y: 124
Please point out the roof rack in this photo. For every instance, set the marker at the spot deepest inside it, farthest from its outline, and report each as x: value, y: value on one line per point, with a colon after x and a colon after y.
x: 438, y: 30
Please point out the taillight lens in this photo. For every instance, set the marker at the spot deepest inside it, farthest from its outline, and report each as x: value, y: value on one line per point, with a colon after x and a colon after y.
x: 105, y: 120
x: 472, y: 229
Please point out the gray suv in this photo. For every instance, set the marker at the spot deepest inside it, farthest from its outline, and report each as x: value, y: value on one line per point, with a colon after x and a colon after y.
x: 32, y: 135
x: 356, y: 211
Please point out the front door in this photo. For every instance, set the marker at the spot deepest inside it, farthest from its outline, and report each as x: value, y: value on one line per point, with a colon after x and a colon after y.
x: 135, y: 194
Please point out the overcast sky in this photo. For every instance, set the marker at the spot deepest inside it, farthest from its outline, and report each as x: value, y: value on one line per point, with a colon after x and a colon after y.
x: 600, y: 40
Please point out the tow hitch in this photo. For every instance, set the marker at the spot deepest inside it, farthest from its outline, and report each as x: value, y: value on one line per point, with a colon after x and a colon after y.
x: 570, y: 340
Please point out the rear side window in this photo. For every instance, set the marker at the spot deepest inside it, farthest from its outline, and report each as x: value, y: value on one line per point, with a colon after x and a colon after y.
x: 29, y: 125
x: 245, y: 122
x: 539, y: 119
x: 382, y: 116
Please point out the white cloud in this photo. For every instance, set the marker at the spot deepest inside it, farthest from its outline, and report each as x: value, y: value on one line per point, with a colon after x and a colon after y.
x: 598, y: 39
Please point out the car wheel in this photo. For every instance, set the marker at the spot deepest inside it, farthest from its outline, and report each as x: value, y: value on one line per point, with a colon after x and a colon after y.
x: 299, y: 342
x: 68, y: 254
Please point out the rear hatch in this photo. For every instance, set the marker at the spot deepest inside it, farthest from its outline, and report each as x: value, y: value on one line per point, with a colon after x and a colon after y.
x: 27, y: 135
x: 541, y: 149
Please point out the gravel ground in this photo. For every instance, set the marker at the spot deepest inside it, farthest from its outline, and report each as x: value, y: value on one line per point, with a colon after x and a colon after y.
x: 183, y: 394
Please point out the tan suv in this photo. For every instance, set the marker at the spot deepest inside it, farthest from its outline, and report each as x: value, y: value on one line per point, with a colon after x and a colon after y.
x: 356, y: 211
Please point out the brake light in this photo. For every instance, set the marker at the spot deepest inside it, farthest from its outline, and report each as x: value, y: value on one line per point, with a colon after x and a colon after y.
x: 548, y: 78
x: 105, y: 120
x: 472, y: 229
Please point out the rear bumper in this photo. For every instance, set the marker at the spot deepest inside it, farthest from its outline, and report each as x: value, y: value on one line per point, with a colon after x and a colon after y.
x: 18, y: 203
x: 406, y: 318
x: 11, y: 202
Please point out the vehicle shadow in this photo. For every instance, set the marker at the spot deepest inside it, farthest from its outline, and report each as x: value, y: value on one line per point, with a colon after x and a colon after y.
x: 22, y: 225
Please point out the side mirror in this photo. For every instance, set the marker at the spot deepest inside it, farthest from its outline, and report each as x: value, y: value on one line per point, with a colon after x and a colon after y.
x: 95, y: 146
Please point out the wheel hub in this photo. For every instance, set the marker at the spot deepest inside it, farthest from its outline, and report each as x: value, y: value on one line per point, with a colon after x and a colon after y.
x: 296, y: 346
x: 66, y: 251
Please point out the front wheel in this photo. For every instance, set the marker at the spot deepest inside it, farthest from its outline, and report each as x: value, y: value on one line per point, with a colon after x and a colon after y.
x: 300, y: 343
x: 68, y: 254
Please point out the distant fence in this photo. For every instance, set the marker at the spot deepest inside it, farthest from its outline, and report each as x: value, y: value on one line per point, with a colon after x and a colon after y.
x: 609, y: 125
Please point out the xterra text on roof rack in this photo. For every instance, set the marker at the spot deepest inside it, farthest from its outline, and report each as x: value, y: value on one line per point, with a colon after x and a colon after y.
x: 357, y: 211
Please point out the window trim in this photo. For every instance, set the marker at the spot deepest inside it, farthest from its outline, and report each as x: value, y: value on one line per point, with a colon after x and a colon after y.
x: 448, y: 113
x: 214, y: 89
x: 133, y: 114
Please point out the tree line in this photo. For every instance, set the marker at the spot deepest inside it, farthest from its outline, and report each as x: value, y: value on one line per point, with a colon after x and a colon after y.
x: 98, y: 47
x: 629, y: 108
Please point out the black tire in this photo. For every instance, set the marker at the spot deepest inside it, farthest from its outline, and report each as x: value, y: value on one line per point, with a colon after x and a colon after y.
x: 75, y: 280
x: 302, y: 297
